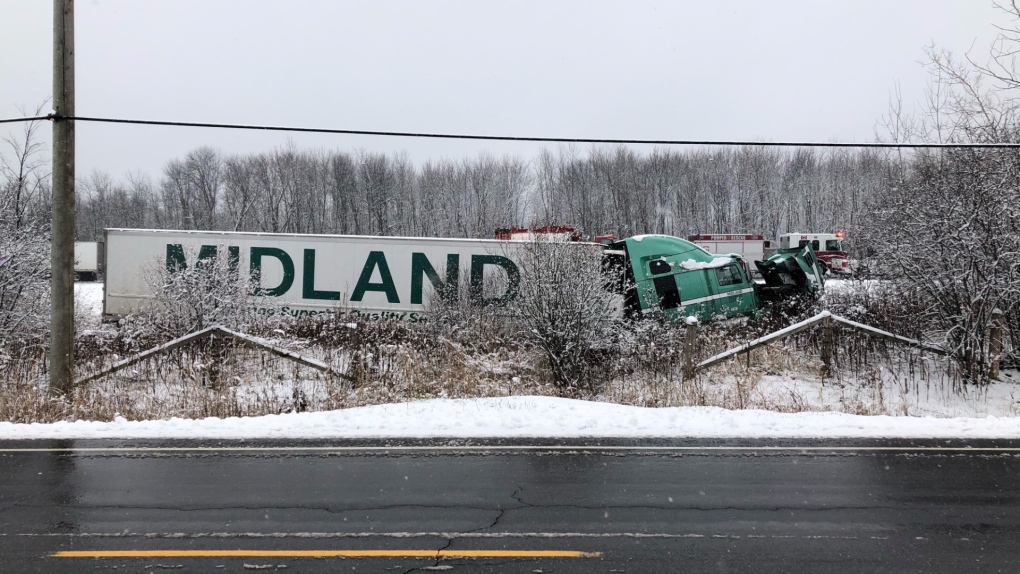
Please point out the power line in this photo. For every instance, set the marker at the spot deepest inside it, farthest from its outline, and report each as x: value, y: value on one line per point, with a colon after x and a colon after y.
x: 746, y: 143
x: 33, y: 119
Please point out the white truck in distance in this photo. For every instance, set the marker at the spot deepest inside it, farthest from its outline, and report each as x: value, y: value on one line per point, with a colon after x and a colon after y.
x: 88, y: 260
x: 750, y: 247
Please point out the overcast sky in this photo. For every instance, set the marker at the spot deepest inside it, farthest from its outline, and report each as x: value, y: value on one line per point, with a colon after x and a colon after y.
x: 804, y: 70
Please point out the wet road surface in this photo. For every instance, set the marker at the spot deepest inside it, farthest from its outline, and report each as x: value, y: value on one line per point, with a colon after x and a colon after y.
x: 498, y: 506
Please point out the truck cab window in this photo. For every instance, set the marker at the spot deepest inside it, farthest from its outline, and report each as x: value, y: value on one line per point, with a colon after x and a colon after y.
x: 832, y: 245
x: 659, y: 266
x: 729, y: 275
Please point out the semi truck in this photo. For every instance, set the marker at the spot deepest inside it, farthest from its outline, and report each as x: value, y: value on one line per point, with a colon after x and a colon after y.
x: 394, y: 277
x: 828, y: 248
x: 88, y: 260
x: 681, y: 279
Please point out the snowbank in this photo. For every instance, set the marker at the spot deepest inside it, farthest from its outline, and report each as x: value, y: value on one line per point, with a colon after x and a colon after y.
x: 529, y: 417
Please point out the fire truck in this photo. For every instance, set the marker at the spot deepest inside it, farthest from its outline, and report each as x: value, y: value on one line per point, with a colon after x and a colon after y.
x: 828, y: 248
x: 750, y: 247
x: 549, y: 233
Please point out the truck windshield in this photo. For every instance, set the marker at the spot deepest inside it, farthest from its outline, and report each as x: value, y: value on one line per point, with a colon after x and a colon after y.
x: 833, y: 245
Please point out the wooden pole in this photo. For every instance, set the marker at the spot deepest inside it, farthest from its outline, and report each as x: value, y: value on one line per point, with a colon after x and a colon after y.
x: 690, y: 345
x: 826, y: 346
x: 61, y: 352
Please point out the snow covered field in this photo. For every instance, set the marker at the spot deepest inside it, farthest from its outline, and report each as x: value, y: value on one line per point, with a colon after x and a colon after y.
x: 930, y: 414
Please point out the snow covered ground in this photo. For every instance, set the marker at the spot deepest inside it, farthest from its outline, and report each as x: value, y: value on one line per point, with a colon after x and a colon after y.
x: 88, y: 297
x: 990, y: 414
x: 529, y: 417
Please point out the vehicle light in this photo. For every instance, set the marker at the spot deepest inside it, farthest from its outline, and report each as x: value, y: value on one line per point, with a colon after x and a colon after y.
x: 840, y: 234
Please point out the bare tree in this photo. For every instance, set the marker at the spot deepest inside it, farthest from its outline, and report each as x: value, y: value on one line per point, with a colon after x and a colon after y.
x: 22, y: 169
x: 951, y: 224
x: 24, y: 239
x: 192, y: 188
x: 240, y: 193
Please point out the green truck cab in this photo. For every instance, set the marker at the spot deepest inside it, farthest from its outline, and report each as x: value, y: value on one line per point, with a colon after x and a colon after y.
x: 660, y: 273
x: 791, y: 273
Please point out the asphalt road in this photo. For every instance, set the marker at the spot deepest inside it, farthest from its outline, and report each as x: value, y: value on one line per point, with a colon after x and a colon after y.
x: 491, y: 506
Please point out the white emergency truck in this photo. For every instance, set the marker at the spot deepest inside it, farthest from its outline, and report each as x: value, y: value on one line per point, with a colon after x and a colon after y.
x: 750, y: 247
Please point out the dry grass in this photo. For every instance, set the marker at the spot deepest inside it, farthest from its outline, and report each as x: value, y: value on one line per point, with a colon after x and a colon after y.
x: 478, y: 357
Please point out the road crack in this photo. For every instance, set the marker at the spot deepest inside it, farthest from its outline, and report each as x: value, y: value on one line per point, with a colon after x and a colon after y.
x: 20, y: 502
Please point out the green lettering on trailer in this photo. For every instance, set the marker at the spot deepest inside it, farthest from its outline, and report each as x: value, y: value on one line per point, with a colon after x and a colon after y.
x: 256, y: 255
x: 513, y: 275
x: 421, y: 267
x: 308, y: 290
x: 376, y: 259
x: 176, y: 260
x: 233, y: 260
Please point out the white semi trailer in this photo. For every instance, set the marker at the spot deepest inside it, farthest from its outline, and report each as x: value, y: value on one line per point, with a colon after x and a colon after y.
x: 378, y: 277
x: 88, y: 260
x: 394, y: 277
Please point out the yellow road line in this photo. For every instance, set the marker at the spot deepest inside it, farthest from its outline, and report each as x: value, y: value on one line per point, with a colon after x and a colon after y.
x: 324, y: 554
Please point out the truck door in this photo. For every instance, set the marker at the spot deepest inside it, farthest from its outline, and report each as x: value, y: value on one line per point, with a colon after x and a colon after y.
x: 734, y: 294
x: 664, y: 279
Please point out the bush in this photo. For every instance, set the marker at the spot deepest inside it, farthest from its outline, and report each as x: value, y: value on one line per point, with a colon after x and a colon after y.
x: 24, y: 284
x: 213, y: 291
x: 563, y: 311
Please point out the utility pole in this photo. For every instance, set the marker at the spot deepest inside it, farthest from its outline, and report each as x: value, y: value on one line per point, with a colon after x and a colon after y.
x: 62, y: 214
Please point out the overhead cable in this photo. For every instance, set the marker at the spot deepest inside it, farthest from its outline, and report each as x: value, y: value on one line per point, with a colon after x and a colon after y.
x: 662, y: 142
x: 33, y: 119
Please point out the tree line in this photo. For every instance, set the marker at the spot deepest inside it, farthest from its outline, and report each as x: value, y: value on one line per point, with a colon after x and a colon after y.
x: 599, y: 191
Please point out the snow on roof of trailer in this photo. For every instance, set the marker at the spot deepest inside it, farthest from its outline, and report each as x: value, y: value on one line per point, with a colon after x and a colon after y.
x: 312, y: 236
